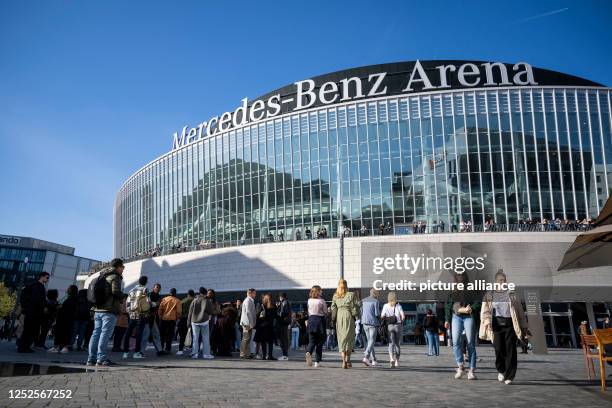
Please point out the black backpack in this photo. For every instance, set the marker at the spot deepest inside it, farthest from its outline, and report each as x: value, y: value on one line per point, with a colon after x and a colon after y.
x: 102, y: 289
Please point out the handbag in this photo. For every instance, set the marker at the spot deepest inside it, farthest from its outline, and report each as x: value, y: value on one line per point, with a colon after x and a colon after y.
x: 391, y: 319
x: 465, y: 310
x: 188, y: 339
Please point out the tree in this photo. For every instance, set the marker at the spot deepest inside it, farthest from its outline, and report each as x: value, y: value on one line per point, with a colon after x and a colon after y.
x: 7, y: 300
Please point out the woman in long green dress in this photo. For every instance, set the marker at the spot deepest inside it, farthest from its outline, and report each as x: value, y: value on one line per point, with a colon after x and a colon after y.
x: 345, y: 310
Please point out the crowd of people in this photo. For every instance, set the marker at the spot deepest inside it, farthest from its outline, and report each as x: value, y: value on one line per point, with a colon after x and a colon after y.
x: 251, y: 327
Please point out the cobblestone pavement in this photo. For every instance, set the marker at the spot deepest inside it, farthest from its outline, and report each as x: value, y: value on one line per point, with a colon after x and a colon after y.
x: 556, y: 379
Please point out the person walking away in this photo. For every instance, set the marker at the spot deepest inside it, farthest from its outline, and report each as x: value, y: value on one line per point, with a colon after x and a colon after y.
x: 199, y: 319
x: 284, y: 320
x: 265, y: 328
x: 65, y: 321
x: 32, y: 302
x: 317, y: 310
x: 48, y: 319
x: 431, y: 324
x: 344, y: 312
x: 183, y: 327
x: 169, y: 314
x: 123, y: 320
x: 460, y: 310
x: 503, y: 322
x: 138, y: 306
x: 370, y: 318
x: 107, y: 296
x: 247, y: 322
x: 394, y: 316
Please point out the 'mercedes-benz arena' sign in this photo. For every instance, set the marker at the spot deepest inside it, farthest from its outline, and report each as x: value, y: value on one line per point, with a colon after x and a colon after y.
x: 375, y: 81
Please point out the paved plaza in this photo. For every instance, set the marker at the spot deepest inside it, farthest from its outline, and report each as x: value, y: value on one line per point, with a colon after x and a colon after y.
x: 555, y: 379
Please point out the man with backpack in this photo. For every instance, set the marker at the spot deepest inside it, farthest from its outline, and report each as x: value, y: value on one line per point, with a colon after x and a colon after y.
x: 33, y: 302
x: 106, y: 295
x: 138, y: 306
x: 284, y: 320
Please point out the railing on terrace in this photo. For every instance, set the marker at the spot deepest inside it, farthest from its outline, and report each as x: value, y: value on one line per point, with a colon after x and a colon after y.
x: 401, y: 229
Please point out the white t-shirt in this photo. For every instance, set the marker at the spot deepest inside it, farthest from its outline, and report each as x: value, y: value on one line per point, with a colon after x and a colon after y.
x: 389, y: 310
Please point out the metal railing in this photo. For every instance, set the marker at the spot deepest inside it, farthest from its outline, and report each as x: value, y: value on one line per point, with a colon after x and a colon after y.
x: 399, y: 230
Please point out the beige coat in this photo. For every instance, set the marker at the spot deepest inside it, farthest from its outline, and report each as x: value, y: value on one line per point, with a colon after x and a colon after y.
x: 519, y: 322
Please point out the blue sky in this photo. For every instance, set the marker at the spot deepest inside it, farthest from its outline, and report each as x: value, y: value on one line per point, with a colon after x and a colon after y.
x: 92, y: 91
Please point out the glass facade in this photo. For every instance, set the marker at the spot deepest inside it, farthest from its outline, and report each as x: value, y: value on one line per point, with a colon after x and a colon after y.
x: 12, y: 264
x: 501, y: 154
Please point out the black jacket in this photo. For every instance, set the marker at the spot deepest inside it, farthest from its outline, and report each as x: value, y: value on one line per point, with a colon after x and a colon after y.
x: 34, y: 299
x: 284, y: 313
x: 431, y: 323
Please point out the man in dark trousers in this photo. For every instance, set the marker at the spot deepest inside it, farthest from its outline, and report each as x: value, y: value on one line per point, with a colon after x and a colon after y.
x: 33, y: 302
x: 284, y: 320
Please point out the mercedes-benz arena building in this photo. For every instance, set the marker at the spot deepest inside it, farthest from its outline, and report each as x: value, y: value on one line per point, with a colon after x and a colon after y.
x: 439, y: 143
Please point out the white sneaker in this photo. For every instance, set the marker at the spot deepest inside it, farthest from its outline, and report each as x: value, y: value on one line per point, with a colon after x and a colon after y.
x: 471, y: 375
x: 316, y: 365
x: 194, y: 356
x: 500, y: 377
x: 366, y: 362
x: 208, y: 357
x: 65, y: 350
x: 53, y: 350
x: 396, y: 363
x: 258, y: 357
x: 508, y: 382
x: 126, y: 355
x: 459, y: 373
x: 179, y: 353
x: 374, y: 363
x: 138, y: 355
x: 283, y: 358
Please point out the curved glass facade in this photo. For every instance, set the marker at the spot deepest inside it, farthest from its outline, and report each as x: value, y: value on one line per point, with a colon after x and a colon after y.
x: 499, y: 153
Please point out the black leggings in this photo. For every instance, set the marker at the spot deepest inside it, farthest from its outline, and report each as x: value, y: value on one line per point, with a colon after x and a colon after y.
x: 267, y: 346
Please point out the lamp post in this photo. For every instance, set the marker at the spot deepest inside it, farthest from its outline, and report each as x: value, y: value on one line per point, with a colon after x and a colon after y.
x: 26, y: 260
x: 340, y: 231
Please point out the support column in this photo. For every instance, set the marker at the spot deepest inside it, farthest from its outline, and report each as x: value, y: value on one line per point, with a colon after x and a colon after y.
x: 536, y: 322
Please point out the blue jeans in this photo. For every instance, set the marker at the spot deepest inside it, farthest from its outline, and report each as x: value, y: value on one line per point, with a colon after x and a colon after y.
x: 370, y: 332
x: 295, y: 337
x: 433, y: 343
x: 238, y: 334
x: 460, y: 323
x: 198, y: 329
x: 104, y: 324
x: 153, y: 330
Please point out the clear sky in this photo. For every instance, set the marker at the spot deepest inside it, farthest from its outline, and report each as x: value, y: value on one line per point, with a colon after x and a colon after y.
x: 90, y: 91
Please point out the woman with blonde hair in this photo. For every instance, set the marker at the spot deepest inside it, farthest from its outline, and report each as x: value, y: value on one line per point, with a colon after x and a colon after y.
x: 316, y: 327
x: 393, y: 315
x: 345, y: 310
